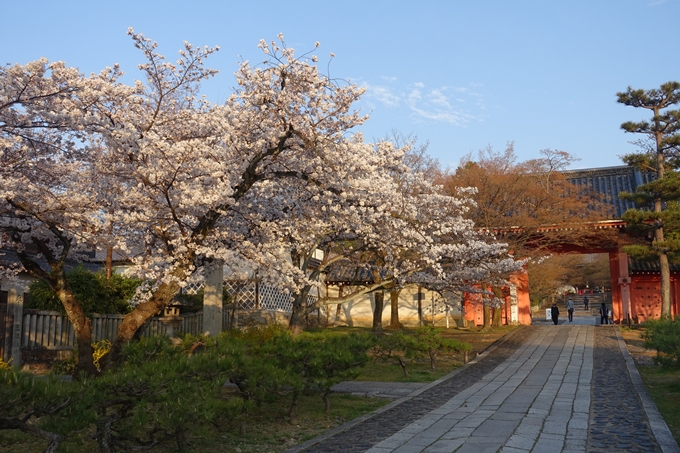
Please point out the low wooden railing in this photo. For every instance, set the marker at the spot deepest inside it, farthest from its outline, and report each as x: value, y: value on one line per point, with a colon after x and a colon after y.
x: 53, y: 330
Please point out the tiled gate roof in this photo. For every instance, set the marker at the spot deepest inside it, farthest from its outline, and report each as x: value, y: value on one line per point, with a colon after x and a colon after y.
x: 608, y: 182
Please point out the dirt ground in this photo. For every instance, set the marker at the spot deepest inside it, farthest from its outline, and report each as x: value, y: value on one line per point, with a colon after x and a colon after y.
x: 478, y: 339
x: 641, y: 356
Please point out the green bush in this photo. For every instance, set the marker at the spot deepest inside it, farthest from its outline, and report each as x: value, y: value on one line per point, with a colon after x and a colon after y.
x: 321, y: 360
x: 260, y: 334
x: 160, y: 395
x: 29, y: 403
x: 427, y: 340
x: 387, y: 345
x: 68, y: 366
x: 95, y: 292
x: 163, y: 393
x: 274, y: 363
x: 663, y: 335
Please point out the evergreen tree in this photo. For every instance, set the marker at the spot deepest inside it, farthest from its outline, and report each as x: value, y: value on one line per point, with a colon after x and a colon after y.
x: 660, y: 155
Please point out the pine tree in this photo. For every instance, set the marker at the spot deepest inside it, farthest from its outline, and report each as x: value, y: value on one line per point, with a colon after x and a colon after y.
x: 660, y: 156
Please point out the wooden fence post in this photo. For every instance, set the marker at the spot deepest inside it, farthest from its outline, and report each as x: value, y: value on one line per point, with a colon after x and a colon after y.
x: 15, y: 309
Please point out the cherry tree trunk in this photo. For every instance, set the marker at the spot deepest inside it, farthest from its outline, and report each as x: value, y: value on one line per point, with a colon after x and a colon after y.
x: 497, y: 316
x: 82, y: 329
x: 299, y: 315
x: 394, y: 309
x: 136, y: 319
x: 378, y: 310
x: 487, y: 317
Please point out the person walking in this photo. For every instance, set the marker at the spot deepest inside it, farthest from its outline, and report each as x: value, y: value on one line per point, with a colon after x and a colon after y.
x: 604, y: 314
x: 554, y: 312
x: 570, y: 309
x: 585, y: 302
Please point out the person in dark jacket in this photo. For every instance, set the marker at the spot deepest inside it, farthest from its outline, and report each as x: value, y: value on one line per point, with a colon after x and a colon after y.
x: 554, y: 313
x: 585, y: 302
x: 604, y: 314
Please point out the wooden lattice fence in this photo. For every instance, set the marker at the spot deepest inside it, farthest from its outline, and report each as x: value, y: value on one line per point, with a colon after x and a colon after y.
x: 52, y: 330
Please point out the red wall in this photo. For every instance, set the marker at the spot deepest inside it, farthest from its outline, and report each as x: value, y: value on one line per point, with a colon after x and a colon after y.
x: 645, y: 296
x: 474, y: 310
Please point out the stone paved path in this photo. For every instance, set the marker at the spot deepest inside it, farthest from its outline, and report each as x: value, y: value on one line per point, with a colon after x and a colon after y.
x: 566, y: 388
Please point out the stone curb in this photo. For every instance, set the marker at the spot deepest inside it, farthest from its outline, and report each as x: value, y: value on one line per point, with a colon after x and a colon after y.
x: 656, y: 422
x: 345, y: 426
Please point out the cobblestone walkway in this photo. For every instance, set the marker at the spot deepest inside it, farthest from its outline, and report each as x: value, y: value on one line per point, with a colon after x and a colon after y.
x: 617, y: 419
x: 532, y: 393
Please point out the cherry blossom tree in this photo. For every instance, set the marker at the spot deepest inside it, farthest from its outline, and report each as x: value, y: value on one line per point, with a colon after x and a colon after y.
x: 192, y: 169
x: 48, y: 212
x: 401, y: 237
x: 169, y: 169
x: 174, y: 182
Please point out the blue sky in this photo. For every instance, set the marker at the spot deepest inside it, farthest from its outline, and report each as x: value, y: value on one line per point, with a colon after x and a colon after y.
x: 459, y: 74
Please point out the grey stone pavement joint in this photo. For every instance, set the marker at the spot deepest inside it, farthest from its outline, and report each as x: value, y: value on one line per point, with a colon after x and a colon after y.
x: 566, y: 388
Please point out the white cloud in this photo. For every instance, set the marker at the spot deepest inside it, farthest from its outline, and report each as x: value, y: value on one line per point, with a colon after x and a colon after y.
x: 414, y: 96
x: 383, y: 94
x: 452, y: 117
x: 436, y: 104
x: 438, y: 98
x: 457, y: 106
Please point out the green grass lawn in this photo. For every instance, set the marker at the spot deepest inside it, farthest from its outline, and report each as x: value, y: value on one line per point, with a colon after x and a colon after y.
x: 389, y: 369
x: 664, y: 387
x: 663, y: 384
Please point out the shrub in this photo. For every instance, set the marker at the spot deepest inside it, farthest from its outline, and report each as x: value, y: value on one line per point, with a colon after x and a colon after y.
x: 162, y: 392
x: 387, y: 345
x: 68, y: 366
x: 95, y: 292
x: 663, y: 335
x: 428, y: 340
x: 322, y: 360
x: 27, y: 402
x: 256, y: 335
x: 425, y: 341
x: 159, y: 395
x: 149, y: 349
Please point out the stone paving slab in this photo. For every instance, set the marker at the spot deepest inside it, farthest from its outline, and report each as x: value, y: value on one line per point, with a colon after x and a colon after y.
x: 562, y: 388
